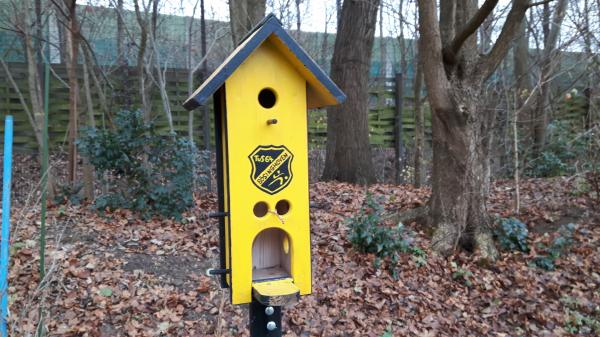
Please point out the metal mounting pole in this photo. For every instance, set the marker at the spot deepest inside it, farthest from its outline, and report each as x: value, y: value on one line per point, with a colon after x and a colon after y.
x: 265, y: 321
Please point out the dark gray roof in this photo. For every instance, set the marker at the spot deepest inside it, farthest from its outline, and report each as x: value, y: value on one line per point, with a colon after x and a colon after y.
x: 270, y: 25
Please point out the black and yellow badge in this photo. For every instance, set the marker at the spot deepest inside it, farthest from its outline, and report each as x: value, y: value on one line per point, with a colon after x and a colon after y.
x: 271, y: 167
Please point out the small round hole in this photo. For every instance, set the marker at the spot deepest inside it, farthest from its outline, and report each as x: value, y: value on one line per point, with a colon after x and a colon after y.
x: 267, y: 98
x: 261, y: 209
x: 282, y: 207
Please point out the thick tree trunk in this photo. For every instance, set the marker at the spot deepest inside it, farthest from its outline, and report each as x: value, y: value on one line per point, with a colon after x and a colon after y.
x: 243, y: 15
x: 348, y: 155
x: 461, y: 175
x: 454, y: 72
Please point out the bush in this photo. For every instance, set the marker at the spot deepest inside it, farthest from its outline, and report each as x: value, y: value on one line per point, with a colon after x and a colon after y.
x: 566, y: 152
x: 563, y: 240
x: 557, y: 155
x: 512, y: 235
x: 145, y: 171
x: 550, y: 164
x: 367, y: 235
x: 67, y: 193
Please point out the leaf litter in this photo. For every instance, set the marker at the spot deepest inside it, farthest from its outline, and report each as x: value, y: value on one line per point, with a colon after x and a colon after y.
x: 118, y: 275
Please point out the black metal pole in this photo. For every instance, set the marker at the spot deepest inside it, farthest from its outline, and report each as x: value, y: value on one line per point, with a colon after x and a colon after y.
x: 265, y: 321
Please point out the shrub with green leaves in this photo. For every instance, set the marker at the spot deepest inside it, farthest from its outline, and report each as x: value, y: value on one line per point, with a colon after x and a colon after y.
x: 512, y: 235
x: 145, y: 171
x: 567, y: 152
x: 368, y: 235
x: 551, y: 253
x: 461, y: 274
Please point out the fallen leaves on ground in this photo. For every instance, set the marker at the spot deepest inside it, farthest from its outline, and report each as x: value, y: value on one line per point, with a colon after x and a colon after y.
x: 118, y: 275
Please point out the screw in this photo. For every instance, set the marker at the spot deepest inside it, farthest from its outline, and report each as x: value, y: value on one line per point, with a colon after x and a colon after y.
x: 271, y: 121
x: 271, y: 326
x: 269, y: 311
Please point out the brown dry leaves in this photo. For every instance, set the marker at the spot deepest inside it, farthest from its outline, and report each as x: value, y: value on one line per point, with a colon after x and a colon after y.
x: 117, y: 275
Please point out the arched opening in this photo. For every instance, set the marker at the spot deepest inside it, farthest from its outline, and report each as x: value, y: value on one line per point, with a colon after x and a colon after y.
x: 271, y: 253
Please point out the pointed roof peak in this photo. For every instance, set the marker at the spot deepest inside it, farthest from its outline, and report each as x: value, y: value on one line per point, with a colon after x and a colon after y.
x: 321, y: 91
x: 269, y: 18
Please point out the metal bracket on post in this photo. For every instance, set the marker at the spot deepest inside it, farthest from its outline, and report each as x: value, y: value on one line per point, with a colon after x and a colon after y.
x: 265, y: 321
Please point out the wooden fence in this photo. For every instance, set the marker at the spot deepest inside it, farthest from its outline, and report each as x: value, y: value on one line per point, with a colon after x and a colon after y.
x: 382, y: 114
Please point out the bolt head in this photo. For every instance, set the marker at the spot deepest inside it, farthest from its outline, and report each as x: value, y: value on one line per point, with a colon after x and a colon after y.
x: 271, y: 326
x: 269, y: 311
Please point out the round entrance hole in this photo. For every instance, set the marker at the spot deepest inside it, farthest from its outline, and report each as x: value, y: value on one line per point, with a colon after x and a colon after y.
x: 282, y: 207
x: 267, y: 98
x: 261, y: 209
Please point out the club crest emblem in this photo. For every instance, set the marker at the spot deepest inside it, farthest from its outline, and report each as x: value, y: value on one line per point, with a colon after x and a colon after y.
x: 271, y: 168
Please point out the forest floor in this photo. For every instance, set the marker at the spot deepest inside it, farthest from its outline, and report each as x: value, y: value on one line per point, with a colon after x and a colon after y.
x: 118, y: 275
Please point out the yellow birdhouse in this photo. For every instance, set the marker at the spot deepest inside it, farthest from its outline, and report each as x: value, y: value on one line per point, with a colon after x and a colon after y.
x: 261, y: 94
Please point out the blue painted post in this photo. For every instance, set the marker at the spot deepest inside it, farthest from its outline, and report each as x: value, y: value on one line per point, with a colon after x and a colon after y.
x: 6, y: 178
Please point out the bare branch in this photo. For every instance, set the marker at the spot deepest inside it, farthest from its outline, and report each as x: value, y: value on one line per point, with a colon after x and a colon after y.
x: 471, y: 27
x: 490, y: 61
x: 533, y: 4
x: 430, y: 53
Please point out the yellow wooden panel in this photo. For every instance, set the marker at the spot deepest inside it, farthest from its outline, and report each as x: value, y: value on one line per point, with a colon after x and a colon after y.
x: 276, y: 293
x: 247, y: 129
x: 281, y: 287
x: 317, y: 94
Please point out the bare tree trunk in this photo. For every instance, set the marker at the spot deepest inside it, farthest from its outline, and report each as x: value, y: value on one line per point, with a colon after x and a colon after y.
x: 142, y: 20
x: 348, y: 156
x: 24, y: 25
x: 400, y: 83
x: 35, y: 87
x: 382, y: 60
x: 549, y: 66
x: 73, y: 49
x: 589, y: 88
x: 399, y: 135
x: 243, y: 15
x: 485, y: 33
x: 325, y: 44
x: 521, y: 61
x: 87, y: 58
x: 298, y: 17
x: 120, y: 36
x: 190, y: 66
x: 419, y: 126
x: 338, y: 11
x: 516, y: 165
x: 88, y: 169
x: 204, y: 75
x: 454, y: 73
